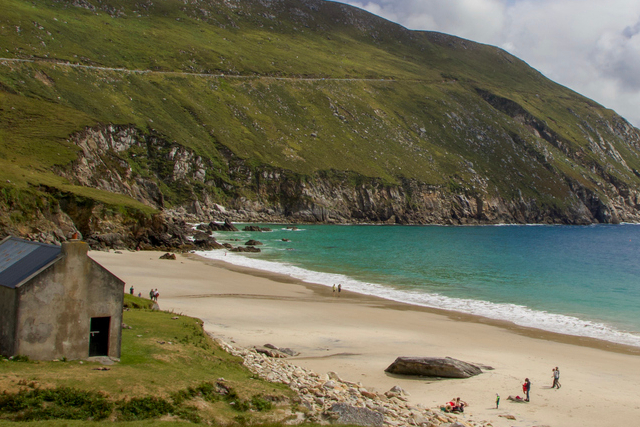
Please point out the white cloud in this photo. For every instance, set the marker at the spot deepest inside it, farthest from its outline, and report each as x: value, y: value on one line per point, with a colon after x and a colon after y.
x: 591, y: 46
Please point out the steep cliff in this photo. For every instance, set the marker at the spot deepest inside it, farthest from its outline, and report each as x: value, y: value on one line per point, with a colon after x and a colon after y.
x: 110, y: 155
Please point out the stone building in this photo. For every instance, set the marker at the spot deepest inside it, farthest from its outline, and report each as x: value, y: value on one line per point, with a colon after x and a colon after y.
x: 57, y: 302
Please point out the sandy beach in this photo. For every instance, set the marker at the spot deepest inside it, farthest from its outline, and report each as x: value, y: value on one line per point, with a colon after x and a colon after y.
x: 359, y: 336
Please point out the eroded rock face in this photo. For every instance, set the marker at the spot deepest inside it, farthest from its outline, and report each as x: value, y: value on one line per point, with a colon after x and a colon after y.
x: 111, y: 157
x: 283, y: 196
x: 444, y: 367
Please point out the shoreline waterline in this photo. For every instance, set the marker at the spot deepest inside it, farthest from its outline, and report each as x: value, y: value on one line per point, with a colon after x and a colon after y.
x: 574, y: 280
x: 226, y: 262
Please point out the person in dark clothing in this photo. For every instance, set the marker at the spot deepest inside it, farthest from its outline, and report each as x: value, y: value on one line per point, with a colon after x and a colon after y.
x: 526, y: 388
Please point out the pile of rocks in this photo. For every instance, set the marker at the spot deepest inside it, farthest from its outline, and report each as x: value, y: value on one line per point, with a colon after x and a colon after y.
x: 330, y: 399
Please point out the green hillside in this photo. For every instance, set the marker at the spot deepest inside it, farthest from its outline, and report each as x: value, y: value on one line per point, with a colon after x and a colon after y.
x: 312, y: 90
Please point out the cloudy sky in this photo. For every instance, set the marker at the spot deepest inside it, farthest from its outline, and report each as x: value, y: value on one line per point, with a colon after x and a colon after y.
x: 590, y: 46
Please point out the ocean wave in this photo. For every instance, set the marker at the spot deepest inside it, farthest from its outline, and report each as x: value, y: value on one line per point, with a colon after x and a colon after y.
x: 517, y: 314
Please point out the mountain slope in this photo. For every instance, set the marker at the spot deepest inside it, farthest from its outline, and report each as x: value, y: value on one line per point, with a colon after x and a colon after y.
x: 295, y: 110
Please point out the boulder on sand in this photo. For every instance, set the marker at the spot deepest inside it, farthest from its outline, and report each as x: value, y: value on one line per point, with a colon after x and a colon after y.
x: 445, y: 367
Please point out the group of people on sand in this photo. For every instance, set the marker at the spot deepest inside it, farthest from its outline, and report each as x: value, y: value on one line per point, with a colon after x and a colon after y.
x: 457, y: 405
x: 339, y: 289
x: 526, y: 387
x: 153, y: 294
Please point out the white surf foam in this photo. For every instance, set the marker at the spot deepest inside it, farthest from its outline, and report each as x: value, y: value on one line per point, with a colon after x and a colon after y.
x: 517, y: 314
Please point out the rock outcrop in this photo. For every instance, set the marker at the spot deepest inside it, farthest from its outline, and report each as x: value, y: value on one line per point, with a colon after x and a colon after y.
x: 444, y: 367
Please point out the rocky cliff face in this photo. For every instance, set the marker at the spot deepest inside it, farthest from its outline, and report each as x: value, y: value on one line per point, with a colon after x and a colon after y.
x: 123, y: 160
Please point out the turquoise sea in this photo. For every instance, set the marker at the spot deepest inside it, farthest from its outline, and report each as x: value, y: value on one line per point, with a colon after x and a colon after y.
x: 577, y: 280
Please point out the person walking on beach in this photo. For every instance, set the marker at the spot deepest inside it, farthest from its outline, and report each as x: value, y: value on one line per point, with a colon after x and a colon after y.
x: 556, y: 378
x: 497, y: 400
x: 334, y: 289
x: 526, y: 388
x: 151, y: 294
x: 339, y: 289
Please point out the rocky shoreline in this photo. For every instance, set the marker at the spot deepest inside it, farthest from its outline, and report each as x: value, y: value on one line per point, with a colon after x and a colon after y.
x: 328, y: 399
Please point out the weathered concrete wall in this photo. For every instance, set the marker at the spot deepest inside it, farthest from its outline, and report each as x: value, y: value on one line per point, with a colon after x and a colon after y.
x: 55, y: 307
x: 7, y: 320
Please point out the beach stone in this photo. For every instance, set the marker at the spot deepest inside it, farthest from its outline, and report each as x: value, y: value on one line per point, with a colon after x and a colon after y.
x: 419, y: 419
x: 399, y: 390
x: 333, y: 376
x: 369, y: 394
x: 270, y: 353
x: 445, y: 367
x: 288, y: 351
x: 253, y: 243
x: 330, y: 384
x: 168, y: 256
x: 347, y: 414
x: 509, y: 417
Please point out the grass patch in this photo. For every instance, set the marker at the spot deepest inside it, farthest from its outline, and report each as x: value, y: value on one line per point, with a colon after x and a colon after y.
x: 134, y: 302
x: 169, y: 367
x: 60, y: 403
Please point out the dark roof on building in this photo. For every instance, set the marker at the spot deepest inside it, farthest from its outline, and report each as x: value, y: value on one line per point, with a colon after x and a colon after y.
x: 20, y: 259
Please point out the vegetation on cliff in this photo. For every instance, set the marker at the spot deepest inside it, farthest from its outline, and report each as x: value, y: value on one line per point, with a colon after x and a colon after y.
x: 290, y: 107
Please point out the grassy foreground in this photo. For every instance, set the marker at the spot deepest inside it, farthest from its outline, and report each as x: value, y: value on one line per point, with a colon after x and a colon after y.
x: 170, y: 370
